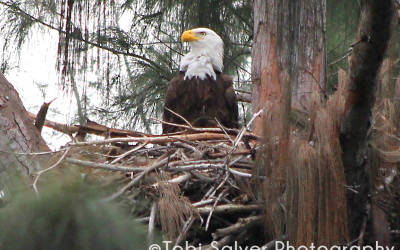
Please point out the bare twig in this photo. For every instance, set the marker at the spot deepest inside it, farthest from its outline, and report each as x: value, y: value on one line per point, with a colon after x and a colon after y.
x: 166, y: 45
x: 38, y: 174
x: 176, y: 180
x: 196, y: 167
x: 194, y: 149
x: 104, y: 166
x: 164, y: 160
x: 240, y: 173
x: 181, y: 117
x: 188, y: 224
x: 246, y: 127
x: 223, y: 130
x: 129, y: 152
x: 152, y: 222
x: 212, y: 209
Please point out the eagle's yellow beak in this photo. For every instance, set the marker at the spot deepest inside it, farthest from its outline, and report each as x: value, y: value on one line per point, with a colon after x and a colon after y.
x: 188, y: 36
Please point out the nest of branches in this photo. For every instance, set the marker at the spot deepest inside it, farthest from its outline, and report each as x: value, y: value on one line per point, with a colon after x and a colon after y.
x: 193, y: 186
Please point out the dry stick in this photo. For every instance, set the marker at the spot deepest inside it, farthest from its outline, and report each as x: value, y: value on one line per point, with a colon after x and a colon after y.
x: 224, y: 154
x: 178, y: 115
x: 227, y: 173
x: 156, y: 151
x: 236, y: 143
x: 205, y: 144
x: 246, y: 126
x: 90, y: 164
x: 218, y: 245
x: 209, y: 192
x: 202, y: 177
x: 242, y: 225
x: 166, y: 45
x: 211, y: 130
x: 176, y: 180
x: 100, y: 131
x: 182, y: 156
x: 129, y: 152
x: 185, y: 145
x: 240, y: 173
x: 219, y: 197
x: 152, y: 222
x: 193, y: 162
x: 156, y: 139
x: 213, y: 189
x: 172, y: 124
x: 229, y: 208
x: 223, y: 130
x: 203, y: 202
x: 196, y: 167
x: 188, y: 224
x: 212, y: 210
x: 38, y: 174
x: 164, y: 160
x: 220, y: 185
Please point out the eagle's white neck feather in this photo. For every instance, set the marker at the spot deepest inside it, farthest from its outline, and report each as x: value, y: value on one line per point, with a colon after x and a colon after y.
x: 205, y: 57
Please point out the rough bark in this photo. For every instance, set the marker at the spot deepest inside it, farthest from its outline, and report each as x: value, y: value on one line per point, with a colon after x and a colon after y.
x: 288, y: 59
x: 288, y: 35
x: 17, y: 135
x: 368, y: 53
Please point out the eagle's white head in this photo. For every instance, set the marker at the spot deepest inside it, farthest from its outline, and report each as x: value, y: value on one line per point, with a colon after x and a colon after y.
x: 206, y: 55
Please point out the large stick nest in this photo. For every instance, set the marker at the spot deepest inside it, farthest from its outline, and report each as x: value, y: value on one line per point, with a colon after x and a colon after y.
x: 193, y: 186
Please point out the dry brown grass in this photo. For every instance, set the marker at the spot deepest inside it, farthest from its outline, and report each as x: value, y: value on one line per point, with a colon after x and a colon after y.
x: 174, y: 209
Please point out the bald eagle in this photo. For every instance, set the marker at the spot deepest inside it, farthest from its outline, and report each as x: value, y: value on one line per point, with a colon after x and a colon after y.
x: 201, y: 93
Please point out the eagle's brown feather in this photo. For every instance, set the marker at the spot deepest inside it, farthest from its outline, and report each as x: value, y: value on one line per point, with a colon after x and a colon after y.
x: 201, y: 102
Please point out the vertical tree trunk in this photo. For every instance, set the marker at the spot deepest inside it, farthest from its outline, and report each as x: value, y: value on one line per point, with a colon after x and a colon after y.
x: 18, y: 135
x: 288, y: 35
x: 288, y: 59
x: 368, y: 53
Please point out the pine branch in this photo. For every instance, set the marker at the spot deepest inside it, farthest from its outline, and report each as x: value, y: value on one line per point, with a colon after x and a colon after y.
x: 151, y: 63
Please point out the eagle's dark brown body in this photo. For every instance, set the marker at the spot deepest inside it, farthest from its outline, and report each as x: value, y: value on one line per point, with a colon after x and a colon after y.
x: 201, y: 102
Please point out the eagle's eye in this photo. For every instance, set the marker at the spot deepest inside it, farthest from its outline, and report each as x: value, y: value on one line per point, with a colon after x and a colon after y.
x: 203, y: 33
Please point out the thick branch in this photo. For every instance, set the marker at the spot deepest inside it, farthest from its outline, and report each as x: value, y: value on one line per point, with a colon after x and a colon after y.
x: 242, y: 225
x: 90, y: 127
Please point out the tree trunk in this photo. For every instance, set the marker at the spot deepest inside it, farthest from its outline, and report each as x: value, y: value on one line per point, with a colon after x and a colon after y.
x: 288, y: 59
x: 17, y: 135
x: 288, y: 35
x: 368, y: 53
